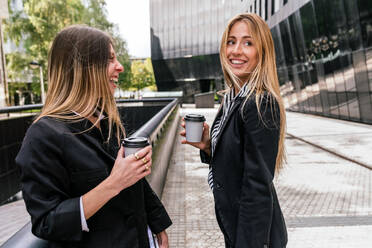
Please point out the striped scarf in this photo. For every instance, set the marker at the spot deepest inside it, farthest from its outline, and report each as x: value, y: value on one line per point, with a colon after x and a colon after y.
x: 228, y: 103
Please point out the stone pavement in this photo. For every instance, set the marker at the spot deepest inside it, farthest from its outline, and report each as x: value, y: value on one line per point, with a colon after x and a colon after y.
x: 350, y: 139
x: 13, y: 216
x: 326, y: 200
x: 188, y: 198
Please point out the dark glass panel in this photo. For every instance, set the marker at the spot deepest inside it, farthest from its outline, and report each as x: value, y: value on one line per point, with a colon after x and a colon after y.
x: 297, y: 38
x: 255, y: 6
x: 309, y: 30
x: 353, y: 25
x: 282, y: 75
x: 280, y: 59
x: 266, y: 10
x: 362, y: 85
x: 260, y: 8
x: 365, y: 14
x: 331, y: 20
x: 286, y: 41
x: 353, y: 105
x: 331, y: 87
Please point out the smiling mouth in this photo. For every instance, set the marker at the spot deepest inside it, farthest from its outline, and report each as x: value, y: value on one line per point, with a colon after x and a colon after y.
x: 237, y: 61
x: 113, y: 82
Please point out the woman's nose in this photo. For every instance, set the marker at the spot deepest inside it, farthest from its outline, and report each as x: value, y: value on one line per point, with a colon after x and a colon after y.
x: 237, y: 49
x: 119, y: 67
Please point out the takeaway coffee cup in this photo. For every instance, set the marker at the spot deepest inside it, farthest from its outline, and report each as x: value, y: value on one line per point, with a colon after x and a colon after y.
x: 194, y: 127
x: 134, y: 144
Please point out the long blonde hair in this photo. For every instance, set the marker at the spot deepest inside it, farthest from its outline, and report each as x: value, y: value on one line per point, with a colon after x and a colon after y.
x: 78, y: 83
x: 264, y: 77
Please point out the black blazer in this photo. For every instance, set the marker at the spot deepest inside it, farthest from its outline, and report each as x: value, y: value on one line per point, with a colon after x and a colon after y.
x: 59, y: 164
x: 243, y: 165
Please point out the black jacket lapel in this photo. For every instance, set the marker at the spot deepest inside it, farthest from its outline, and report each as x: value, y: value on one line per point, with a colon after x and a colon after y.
x: 236, y: 105
x: 92, y: 136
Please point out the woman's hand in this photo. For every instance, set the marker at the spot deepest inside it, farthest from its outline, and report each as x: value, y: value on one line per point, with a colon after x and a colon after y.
x: 126, y: 172
x: 129, y: 170
x: 204, y: 144
x: 162, y: 239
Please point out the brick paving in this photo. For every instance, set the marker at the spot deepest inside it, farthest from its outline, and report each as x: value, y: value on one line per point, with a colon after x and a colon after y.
x: 326, y: 200
x: 188, y: 199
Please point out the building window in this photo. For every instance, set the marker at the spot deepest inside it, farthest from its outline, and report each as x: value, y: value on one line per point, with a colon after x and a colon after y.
x: 274, y: 6
x: 266, y: 10
x: 250, y: 9
x: 255, y: 6
x: 260, y: 9
x: 285, y: 2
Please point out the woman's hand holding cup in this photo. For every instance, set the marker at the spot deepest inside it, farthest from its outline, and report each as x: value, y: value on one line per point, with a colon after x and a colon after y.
x: 205, y: 142
x: 129, y: 170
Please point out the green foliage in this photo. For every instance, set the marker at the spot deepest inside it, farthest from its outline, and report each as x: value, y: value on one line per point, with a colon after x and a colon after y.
x: 142, y: 75
x: 122, y: 55
x: 34, y: 28
x: 95, y: 15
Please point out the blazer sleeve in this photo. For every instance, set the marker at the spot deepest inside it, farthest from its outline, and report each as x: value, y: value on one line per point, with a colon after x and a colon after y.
x: 261, y: 137
x: 55, y: 215
x: 204, y: 157
x: 157, y: 217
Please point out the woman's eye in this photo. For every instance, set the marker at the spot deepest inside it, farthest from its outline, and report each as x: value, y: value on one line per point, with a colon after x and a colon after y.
x: 230, y: 42
x: 248, y: 43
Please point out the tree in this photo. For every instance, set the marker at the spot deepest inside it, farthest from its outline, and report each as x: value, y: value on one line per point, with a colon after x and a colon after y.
x: 143, y: 74
x: 121, y: 50
x: 34, y: 28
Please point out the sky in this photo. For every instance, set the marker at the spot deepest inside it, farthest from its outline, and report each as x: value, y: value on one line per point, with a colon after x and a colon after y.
x: 133, y: 19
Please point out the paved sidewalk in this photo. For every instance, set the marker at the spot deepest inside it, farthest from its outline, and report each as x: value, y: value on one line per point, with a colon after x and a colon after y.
x: 13, y: 216
x: 326, y: 200
x: 187, y: 196
x: 349, y: 139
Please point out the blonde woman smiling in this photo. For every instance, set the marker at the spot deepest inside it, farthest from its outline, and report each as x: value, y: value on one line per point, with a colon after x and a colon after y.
x: 78, y: 188
x: 246, y: 144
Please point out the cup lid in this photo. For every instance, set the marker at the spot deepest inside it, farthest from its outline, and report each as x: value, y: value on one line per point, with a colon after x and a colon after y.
x: 135, y: 142
x: 194, y: 117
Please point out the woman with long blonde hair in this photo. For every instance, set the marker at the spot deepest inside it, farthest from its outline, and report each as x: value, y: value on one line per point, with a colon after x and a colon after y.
x: 78, y: 187
x: 246, y: 145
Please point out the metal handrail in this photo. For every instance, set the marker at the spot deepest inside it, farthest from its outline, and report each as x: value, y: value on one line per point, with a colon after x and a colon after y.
x: 163, y: 99
x: 14, y: 109
x: 25, y: 238
x: 149, y: 127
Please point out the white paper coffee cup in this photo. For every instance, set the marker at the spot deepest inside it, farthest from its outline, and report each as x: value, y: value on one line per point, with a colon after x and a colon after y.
x: 134, y: 144
x: 194, y: 127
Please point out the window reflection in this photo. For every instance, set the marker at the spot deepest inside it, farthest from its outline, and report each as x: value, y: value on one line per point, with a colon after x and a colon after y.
x: 323, y: 50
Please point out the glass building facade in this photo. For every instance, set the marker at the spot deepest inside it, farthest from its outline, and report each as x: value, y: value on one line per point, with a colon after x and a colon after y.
x: 185, y: 37
x: 323, y: 50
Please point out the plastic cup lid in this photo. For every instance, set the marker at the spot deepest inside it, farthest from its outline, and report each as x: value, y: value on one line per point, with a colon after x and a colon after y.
x: 135, y: 142
x: 194, y: 117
